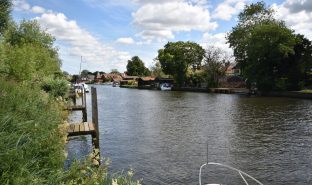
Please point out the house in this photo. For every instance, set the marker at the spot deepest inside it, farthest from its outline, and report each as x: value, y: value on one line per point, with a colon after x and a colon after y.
x: 232, y: 70
x: 111, y: 77
x: 98, y: 78
x: 126, y: 77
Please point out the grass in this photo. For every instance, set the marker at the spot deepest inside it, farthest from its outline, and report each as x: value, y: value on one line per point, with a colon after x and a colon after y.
x: 32, y: 140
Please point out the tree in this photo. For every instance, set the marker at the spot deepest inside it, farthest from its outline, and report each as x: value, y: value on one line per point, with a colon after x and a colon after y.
x: 29, y: 32
x: 115, y: 71
x: 261, y: 43
x: 156, y: 70
x: 177, y: 57
x: 216, y: 61
x: 296, y: 69
x: 5, y: 10
x: 84, y: 73
x: 136, y: 67
x: 28, y: 53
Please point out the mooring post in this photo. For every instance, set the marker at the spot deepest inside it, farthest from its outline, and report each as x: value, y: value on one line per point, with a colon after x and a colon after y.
x: 95, y: 120
x: 74, y: 99
x: 84, y: 105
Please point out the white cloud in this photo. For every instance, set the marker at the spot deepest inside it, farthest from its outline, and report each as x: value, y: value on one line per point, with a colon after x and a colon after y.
x: 160, y: 21
x: 228, y: 8
x: 125, y: 40
x: 37, y: 9
x: 216, y: 40
x: 297, y: 14
x: 78, y: 42
x: 21, y: 5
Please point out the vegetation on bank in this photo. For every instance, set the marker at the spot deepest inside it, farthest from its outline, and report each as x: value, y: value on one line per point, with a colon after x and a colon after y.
x: 268, y: 52
x: 32, y: 120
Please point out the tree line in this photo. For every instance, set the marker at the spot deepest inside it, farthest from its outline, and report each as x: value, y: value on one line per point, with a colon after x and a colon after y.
x: 268, y: 53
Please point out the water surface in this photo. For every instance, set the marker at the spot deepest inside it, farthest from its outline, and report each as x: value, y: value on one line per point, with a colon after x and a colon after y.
x: 163, y: 136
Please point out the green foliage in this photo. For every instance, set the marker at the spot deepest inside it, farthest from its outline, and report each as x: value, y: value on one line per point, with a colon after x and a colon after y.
x: 132, y: 82
x: 194, y: 79
x: 84, y: 73
x: 29, y: 32
x: 27, y: 62
x: 157, y: 71
x: 84, y: 172
x: 136, y: 67
x: 5, y: 10
x: 267, y: 51
x: 55, y: 87
x: 177, y: 57
x: 114, y: 71
x: 31, y: 144
x: 32, y: 136
x: 27, y: 53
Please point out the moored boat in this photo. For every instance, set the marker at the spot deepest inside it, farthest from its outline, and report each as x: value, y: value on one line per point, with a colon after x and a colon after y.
x: 165, y: 87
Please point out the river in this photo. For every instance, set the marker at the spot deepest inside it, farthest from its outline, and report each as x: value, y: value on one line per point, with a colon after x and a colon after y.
x: 163, y: 136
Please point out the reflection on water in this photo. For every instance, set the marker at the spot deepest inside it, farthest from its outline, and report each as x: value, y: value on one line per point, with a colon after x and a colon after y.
x: 163, y: 135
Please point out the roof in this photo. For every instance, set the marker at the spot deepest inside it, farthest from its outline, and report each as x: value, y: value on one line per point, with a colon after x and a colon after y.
x: 130, y: 77
x: 148, y: 78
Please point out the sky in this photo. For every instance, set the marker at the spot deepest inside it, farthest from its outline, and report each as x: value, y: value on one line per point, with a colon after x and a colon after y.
x: 101, y: 35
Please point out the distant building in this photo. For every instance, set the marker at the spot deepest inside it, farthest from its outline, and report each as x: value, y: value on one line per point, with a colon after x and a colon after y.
x: 111, y: 77
x: 146, y: 82
x: 232, y: 70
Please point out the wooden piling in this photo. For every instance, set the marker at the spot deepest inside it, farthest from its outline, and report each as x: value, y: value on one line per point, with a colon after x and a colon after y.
x: 84, y: 104
x: 86, y: 128
x: 95, y: 116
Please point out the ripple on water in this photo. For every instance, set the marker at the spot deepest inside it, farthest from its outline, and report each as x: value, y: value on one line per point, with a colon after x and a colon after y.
x: 163, y: 135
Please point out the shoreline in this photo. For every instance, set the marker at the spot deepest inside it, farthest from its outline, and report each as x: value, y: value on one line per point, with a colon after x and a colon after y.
x: 244, y: 91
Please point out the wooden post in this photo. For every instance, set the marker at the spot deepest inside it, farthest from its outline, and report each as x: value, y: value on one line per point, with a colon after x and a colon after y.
x: 95, y: 117
x: 84, y: 105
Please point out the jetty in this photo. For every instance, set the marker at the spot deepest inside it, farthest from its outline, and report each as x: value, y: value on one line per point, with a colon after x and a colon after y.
x: 84, y: 127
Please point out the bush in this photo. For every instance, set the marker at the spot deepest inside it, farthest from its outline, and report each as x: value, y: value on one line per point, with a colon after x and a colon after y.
x: 55, y: 87
x: 281, y: 84
x: 132, y: 82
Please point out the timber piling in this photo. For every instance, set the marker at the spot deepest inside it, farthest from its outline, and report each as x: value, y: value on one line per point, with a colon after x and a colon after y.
x: 85, y: 127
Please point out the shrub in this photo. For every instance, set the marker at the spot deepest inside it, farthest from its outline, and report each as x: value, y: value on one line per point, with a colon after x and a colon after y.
x: 55, y: 87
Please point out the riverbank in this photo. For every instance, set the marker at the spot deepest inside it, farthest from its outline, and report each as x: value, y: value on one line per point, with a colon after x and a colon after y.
x: 289, y: 94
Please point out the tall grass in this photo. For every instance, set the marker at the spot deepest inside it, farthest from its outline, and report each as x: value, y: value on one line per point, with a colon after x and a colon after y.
x: 31, y: 144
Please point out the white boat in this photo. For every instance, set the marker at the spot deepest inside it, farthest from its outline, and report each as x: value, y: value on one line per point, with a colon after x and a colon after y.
x: 242, y: 174
x: 79, y: 88
x: 86, y: 87
x: 165, y: 87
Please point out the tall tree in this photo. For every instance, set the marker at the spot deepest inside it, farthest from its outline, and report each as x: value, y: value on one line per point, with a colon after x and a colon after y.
x: 216, y: 61
x: 5, y: 10
x: 261, y: 44
x: 84, y: 73
x: 157, y: 71
x: 177, y: 57
x: 29, y: 53
x: 136, y: 67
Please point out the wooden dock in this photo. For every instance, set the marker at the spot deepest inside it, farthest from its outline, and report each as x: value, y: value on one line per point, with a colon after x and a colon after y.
x: 87, y: 128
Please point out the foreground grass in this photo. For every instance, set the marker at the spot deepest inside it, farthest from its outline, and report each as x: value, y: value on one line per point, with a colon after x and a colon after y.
x: 32, y: 139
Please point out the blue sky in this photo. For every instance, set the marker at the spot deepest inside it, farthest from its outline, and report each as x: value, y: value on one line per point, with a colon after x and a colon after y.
x: 107, y: 33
